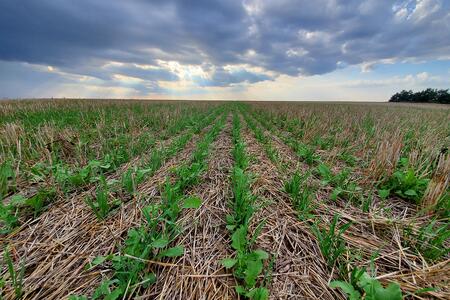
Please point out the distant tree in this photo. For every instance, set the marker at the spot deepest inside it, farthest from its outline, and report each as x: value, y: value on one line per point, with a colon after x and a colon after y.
x: 426, y: 96
x: 403, y: 96
x: 443, y: 96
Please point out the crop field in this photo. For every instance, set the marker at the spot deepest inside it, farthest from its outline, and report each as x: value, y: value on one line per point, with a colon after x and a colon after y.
x: 106, y: 199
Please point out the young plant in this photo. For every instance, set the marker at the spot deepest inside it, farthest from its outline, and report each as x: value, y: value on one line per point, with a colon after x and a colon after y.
x: 431, y: 240
x: 101, y: 205
x: 363, y: 286
x: 243, y: 200
x: 40, y: 200
x: 331, y: 243
x: 301, y: 195
x: 7, y: 176
x: 407, y: 185
x: 132, y: 178
x: 9, y: 216
x: 247, y: 264
x: 16, y: 277
x: 307, y: 154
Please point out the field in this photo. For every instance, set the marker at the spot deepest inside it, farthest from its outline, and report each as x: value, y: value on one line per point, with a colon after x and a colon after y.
x: 104, y: 199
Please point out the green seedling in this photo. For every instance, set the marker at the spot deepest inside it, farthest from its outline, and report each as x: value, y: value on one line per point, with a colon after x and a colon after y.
x: 40, y: 200
x: 407, y: 185
x: 243, y: 201
x: 248, y: 264
x: 101, y: 205
x: 9, y: 214
x: 307, y: 154
x: 301, y: 194
x: 363, y: 286
x: 15, y: 277
x: 7, y: 177
x: 132, y: 178
x: 430, y: 241
x: 331, y: 243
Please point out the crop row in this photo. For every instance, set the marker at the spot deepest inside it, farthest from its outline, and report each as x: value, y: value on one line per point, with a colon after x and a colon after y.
x: 427, y: 238
x: 329, y: 237
x: 151, y: 241
x: 396, y: 169
x: 19, y: 208
x: 247, y: 262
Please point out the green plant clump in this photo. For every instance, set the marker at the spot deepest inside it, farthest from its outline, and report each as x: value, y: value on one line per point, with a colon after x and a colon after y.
x: 363, y: 286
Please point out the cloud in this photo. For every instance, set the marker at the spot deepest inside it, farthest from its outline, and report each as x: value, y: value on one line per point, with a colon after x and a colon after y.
x: 227, y: 77
x: 409, y: 81
x: 178, y: 40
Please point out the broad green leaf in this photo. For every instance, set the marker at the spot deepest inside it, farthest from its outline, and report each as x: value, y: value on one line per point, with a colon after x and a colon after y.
x: 160, y: 243
x: 229, y: 262
x: 99, y: 260
x: 240, y: 290
x: 116, y: 294
x: 254, y: 267
x: 375, y: 291
x: 239, y: 238
x: 192, y: 202
x: 260, y: 293
x: 261, y: 254
x: 172, y: 252
x: 384, y: 193
x: 411, y: 193
x: 392, y: 292
x: 346, y: 288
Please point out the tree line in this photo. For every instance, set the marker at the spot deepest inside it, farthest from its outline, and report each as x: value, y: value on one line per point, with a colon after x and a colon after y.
x: 425, y: 96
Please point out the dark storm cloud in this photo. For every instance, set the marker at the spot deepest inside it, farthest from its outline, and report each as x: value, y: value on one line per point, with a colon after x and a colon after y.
x: 286, y: 36
x: 222, y: 77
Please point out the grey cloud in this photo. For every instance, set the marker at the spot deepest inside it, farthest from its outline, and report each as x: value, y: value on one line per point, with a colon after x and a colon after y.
x: 222, y: 77
x: 287, y: 36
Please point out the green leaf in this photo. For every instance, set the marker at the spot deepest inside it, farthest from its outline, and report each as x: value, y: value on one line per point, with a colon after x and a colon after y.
x: 411, y: 193
x: 116, y: 294
x: 99, y: 260
x: 239, y: 239
x: 240, y: 290
x: 261, y: 254
x: 336, y: 192
x: 260, y: 293
x: 160, y: 243
x: 392, y: 292
x: 18, y: 200
x: 375, y: 291
x: 384, y: 193
x: 346, y: 288
x: 425, y: 290
x: 254, y: 267
x: 230, y: 227
x: 105, y: 166
x: 172, y: 252
x: 192, y: 202
x: 229, y: 262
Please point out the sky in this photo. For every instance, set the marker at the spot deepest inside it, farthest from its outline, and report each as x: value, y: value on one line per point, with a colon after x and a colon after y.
x: 349, y: 50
